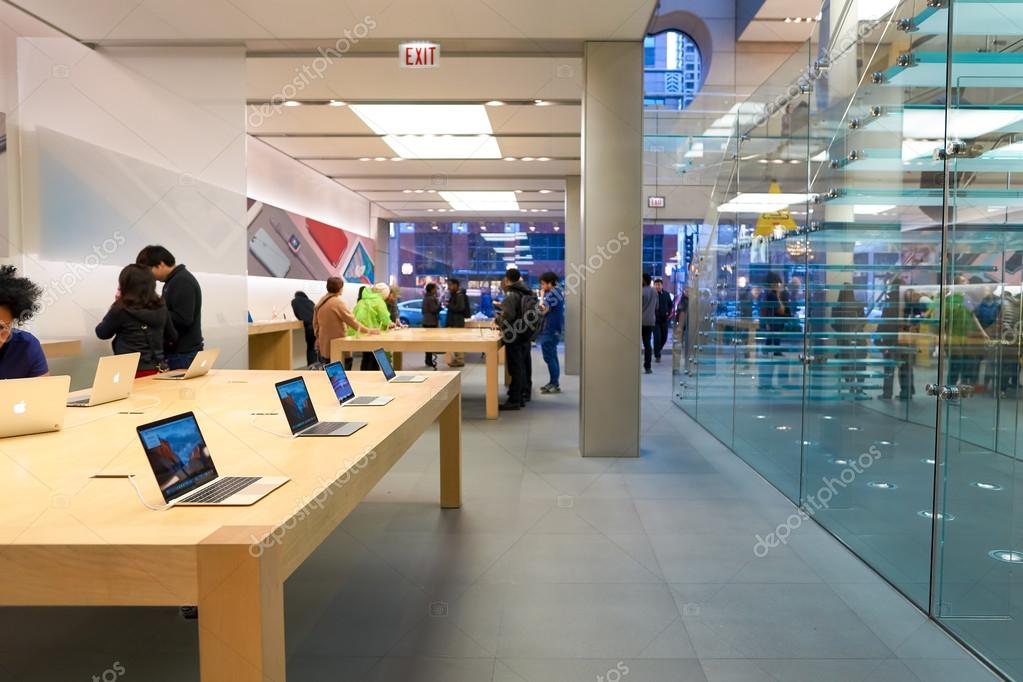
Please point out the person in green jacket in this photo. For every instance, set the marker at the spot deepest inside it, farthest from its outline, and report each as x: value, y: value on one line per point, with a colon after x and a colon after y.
x: 371, y: 310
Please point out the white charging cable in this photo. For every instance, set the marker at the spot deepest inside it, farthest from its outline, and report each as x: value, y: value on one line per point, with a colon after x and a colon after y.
x: 131, y: 479
x: 257, y: 415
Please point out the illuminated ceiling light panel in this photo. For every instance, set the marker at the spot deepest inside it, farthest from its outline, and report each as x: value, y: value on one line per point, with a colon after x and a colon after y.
x: 481, y: 201
x: 444, y: 146
x: 871, y: 209
x: 425, y: 119
x: 755, y: 202
x: 505, y: 236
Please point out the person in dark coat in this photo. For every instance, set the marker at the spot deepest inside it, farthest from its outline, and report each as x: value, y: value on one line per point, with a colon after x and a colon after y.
x: 183, y: 296
x: 303, y: 308
x: 431, y: 316
x: 138, y: 321
x: 459, y: 311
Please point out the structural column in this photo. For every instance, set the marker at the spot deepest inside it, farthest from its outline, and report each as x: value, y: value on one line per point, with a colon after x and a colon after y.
x: 573, y: 263
x: 612, y: 182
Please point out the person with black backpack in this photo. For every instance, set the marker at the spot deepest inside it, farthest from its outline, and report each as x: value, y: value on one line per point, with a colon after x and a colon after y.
x: 520, y: 321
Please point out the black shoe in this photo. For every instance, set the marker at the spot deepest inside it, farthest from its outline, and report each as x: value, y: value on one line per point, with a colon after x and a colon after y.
x: 647, y: 370
x: 657, y: 359
x: 509, y: 407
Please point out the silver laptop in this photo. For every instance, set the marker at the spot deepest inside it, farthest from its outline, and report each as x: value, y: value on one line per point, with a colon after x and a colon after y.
x: 301, y: 416
x: 115, y: 375
x: 385, y: 367
x: 346, y: 394
x: 202, y: 364
x: 184, y: 470
x: 32, y: 405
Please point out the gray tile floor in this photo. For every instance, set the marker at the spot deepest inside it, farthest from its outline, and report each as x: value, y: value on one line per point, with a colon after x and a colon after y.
x: 556, y: 569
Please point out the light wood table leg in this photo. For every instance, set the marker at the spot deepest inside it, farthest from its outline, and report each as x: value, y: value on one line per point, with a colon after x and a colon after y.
x: 241, y: 610
x: 399, y: 361
x: 451, y: 454
x: 491, y: 358
x: 270, y: 350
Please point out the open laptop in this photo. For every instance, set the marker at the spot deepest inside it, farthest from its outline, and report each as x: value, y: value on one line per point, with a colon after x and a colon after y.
x: 346, y: 394
x: 32, y: 405
x: 202, y: 364
x: 385, y: 367
x: 184, y: 469
x: 115, y: 375
x: 298, y: 409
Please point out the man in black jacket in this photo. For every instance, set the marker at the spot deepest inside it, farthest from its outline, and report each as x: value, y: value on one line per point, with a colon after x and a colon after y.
x: 517, y: 342
x: 304, y: 309
x: 664, y: 307
x: 458, y: 311
x: 183, y: 296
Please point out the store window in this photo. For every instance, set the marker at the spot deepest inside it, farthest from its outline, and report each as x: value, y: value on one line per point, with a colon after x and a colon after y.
x: 432, y: 253
x: 547, y: 247
x: 653, y: 254
x: 673, y: 70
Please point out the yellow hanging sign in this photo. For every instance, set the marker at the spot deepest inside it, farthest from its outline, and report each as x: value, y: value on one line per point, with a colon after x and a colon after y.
x: 769, y: 223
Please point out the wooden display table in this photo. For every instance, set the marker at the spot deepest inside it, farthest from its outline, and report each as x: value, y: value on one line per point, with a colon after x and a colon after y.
x: 61, y: 348
x: 271, y: 345
x: 442, y: 340
x: 71, y: 540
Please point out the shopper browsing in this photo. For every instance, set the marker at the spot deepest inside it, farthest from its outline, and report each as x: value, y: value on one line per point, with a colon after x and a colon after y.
x: 371, y: 311
x: 552, y: 305
x: 303, y: 308
x: 431, y: 316
x: 332, y: 319
x: 662, y: 316
x: 138, y: 321
x: 458, y: 311
x: 648, y: 301
x: 183, y: 297
x: 21, y: 354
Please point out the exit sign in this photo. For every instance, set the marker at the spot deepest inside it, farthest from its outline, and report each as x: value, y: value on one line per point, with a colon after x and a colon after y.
x: 419, y: 55
x: 655, y: 202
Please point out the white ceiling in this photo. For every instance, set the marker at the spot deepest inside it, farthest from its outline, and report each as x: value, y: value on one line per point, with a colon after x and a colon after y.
x: 769, y: 25
x: 517, y: 52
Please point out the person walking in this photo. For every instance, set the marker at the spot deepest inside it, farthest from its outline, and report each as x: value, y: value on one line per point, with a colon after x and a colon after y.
x: 332, y: 318
x: 458, y: 311
x: 303, y: 308
x: 138, y: 321
x: 183, y: 297
x: 431, y: 316
x: 552, y: 305
x: 516, y: 338
x: 649, y: 310
x: 662, y: 316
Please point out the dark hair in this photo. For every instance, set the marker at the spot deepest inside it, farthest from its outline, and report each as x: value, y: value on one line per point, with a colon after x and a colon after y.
x: 658, y: 280
x: 19, y: 294
x: 151, y: 256
x: 646, y: 279
x: 455, y: 281
x: 431, y: 287
x: 336, y: 284
x: 138, y: 287
x: 513, y: 274
x: 301, y: 294
x: 550, y: 278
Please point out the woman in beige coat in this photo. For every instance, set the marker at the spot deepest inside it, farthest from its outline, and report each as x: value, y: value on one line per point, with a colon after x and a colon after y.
x: 332, y: 317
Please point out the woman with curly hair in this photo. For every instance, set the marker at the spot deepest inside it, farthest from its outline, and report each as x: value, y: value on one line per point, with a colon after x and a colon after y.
x: 138, y: 321
x: 21, y: 355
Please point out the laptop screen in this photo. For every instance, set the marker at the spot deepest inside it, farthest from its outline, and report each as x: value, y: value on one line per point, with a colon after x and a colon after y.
x: 385, y: 364
x: 339, y: 381
x: 298, y: 406
x: 177, y: 454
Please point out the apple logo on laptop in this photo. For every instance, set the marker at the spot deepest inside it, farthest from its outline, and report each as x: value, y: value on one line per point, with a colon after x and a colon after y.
x: 117, y: 378
x: 20, y: 408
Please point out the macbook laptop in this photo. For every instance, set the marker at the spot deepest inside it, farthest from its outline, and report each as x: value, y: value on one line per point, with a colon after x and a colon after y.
x: 202, y: 364
x: 115, y: 375
x: 298, y: 409
x: 346, y: 394
x: 32, y: 405
x: 385, y: 367
x: 184, y: 469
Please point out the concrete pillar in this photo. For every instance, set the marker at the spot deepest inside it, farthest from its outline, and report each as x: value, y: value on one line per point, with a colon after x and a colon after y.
x: 382, y: 260
x: 612, y: 218
x: 573, y: 259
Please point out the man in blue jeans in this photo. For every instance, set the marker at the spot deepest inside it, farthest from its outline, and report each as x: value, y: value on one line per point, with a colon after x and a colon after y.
x: 552, y: 304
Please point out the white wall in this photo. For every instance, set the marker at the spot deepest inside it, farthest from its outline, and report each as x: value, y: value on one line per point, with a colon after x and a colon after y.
x: 120, y: 148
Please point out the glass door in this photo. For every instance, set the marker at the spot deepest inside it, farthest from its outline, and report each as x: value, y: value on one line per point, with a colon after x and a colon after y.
x: 978, y: 569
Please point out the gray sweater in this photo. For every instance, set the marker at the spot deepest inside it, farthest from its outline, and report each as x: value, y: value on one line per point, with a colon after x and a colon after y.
x: 649, y: 306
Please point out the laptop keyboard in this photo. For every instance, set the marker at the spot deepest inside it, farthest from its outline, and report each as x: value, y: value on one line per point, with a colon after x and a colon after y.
x: 365, y: 400
x: 222, y: 489
x: 321, y: 429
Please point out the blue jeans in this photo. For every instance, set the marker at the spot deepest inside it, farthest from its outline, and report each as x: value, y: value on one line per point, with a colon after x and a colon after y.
x: 549, y: 348
x: 180, y: 360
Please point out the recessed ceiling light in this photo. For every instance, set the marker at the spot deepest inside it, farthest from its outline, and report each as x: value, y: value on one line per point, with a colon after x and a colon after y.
x: 495, y: 103
x: 483, y: 228
x: 397, y: 158
x: 927, y: 514
x: 510, y: 158
x: 527, y: 158
x: 380, y: 158
x: 557, y: 228
x: 336, y: 103
x: 292, y: 103
x: 434, y: 226
x: 365, y: 158
x: 778, y: 161
x: 882, y: 485
x: 419, y: 191
x: 545, y: 191
x: 406, y: 191
x: 481, y: 201
x: 518, y: 191
x: 928, y: 460
x: 541, y: 103
x: 987, y: 486
x: 544, y: 158
x: 431, y: 191
x: 1006, y: 555
x: 523, y: 210
x: 442, y: 210
x: 532, y: 227
x: 430, y: 210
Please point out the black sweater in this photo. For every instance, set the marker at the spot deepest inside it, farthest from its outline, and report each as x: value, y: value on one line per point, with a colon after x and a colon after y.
x: 138, y: 330
x: 184, y: 303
